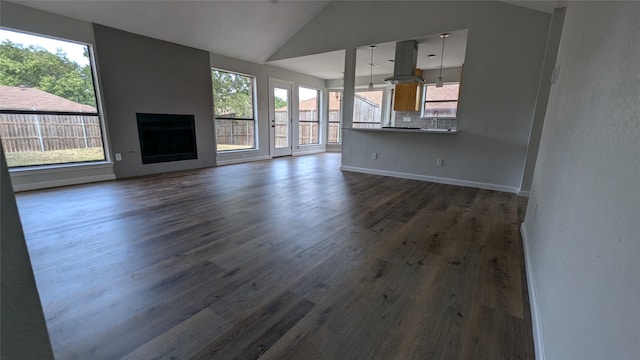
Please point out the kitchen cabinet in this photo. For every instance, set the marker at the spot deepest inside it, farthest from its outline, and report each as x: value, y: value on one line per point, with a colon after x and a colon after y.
x: 408, y: 96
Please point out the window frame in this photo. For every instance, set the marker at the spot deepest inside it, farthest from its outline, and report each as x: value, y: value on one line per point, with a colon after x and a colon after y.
x: 253, y: 119
x: 423, y: 112
x: 99, y: 111
x: 318, y: 122
x: 339, y: 115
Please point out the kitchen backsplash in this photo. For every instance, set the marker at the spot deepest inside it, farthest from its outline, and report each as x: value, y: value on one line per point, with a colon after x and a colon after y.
x: 418, y: 122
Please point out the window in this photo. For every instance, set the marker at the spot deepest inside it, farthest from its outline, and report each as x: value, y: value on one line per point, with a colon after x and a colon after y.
x: 441, y: 103
x: 335, y: 111
x: 308, y: 118
x: 48, y: 113
x: 367, y: 109
x: 234, y: 105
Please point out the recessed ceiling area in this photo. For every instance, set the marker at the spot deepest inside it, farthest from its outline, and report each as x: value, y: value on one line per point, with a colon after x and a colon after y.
x: 331, y: 65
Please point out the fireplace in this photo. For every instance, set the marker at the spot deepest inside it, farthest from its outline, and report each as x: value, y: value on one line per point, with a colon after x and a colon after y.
x: 166, y: 137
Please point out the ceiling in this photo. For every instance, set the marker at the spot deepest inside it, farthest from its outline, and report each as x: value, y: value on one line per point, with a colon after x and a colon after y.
x: 330, y: 65
x: 251, y: 30
x: 247, y: 30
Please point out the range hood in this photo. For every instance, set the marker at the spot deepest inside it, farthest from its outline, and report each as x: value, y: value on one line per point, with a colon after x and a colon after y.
x: 405, y: 63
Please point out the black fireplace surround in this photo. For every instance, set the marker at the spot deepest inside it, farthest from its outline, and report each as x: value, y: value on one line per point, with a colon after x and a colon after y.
x: 166, y: 137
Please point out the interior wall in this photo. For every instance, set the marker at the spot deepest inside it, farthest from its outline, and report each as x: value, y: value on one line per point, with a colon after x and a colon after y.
x: 263, y: 73
x: 504, y: 56
x: 551, y: 53
x: 144, y: 75
x: 582, y: 224
x: 23, y: 328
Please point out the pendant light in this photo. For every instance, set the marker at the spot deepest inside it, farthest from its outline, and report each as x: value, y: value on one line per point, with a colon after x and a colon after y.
x: 370, y: 88
x: 440, y: 83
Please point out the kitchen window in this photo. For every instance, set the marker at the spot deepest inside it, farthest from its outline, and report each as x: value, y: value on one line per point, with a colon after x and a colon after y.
x: 234, y: 104
x: 441, y: 103
x: 367, y: 109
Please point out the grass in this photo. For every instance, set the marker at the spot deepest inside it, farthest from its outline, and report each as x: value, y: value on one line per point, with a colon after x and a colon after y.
x: 54, y: 156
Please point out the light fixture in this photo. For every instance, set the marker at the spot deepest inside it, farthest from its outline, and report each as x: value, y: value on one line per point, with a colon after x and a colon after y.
x: 440, y: 83
x: 370, y: 88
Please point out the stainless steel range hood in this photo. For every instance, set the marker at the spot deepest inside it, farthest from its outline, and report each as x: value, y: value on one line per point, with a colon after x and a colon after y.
x: 405, y: 63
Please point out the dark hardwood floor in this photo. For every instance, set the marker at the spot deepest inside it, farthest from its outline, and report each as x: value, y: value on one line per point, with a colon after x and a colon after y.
x: 281, y: 259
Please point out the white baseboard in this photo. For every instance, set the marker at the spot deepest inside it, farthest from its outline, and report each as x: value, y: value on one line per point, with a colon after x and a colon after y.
x: 436, y: 179
x: 62, y: 182
x: 538, y: 342
x: 242, y: 160
x: 524, y: 193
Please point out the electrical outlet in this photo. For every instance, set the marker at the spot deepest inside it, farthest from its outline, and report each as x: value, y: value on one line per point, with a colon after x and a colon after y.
x: 439, y: 162
x: 118, y: 157
x: 374, y: 156
x: 406, y: 119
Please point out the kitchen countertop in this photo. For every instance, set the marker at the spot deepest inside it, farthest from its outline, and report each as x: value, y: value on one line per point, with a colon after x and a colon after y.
x: 409, y: 130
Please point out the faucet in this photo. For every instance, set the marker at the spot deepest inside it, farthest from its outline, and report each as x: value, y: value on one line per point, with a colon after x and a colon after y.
x: 435, y: 119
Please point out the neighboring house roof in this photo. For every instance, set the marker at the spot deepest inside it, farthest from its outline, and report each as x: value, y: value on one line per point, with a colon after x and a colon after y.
x: 448, y: 92
x: 24, y: 98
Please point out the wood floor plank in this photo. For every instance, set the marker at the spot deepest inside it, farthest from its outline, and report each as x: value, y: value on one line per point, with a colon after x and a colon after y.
x: 183, y: 340
x: 282, y: 259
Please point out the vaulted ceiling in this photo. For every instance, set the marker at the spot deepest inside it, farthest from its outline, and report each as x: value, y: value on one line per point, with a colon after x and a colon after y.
x: 247, y: 30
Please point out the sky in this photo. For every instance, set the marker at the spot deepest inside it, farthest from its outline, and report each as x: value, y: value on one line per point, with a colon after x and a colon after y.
x: 75, y: 52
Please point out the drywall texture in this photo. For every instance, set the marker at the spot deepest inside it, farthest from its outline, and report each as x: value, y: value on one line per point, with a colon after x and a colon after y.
x: 41, y: 22
x: 505, y: 51
x: 23, y: 332
x: 262, y: 74
x: 553, y: 42
x: 582, y: 224
x: 145, y: 75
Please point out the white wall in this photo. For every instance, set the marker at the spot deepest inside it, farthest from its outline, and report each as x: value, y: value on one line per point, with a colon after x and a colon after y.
x: 582, y: 228
x: 262, y: 74
x: 504, y: 57
x: 544, y: 87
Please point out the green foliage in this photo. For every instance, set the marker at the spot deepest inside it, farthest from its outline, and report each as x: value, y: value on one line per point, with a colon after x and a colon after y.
x: 279, y: 102
x: 35, y: 67
x: 232, y: 95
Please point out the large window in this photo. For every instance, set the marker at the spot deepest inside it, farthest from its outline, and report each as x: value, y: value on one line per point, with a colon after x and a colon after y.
x: 367, y: 109
x: 234, y: 105
x: 308, y: 117
x: 48, y: 108
x: 441, y: 103
x: 335, y: 110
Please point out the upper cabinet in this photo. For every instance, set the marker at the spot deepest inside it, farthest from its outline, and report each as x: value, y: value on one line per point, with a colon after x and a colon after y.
x: 407, y: 96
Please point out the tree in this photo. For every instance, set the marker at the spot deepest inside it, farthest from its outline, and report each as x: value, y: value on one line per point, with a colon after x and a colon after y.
x: 232, y: 95
x: 33, y: 66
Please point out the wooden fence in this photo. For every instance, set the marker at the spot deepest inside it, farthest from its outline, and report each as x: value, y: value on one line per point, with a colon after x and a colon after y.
x: 235, y: 132
x: 39, y: 132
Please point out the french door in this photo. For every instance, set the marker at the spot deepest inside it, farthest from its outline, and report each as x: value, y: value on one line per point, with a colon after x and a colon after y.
x: 280, y: 117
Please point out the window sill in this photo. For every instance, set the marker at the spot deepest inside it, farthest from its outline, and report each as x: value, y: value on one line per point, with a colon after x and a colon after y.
x: 60, y: 168
x: 235, y: 151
